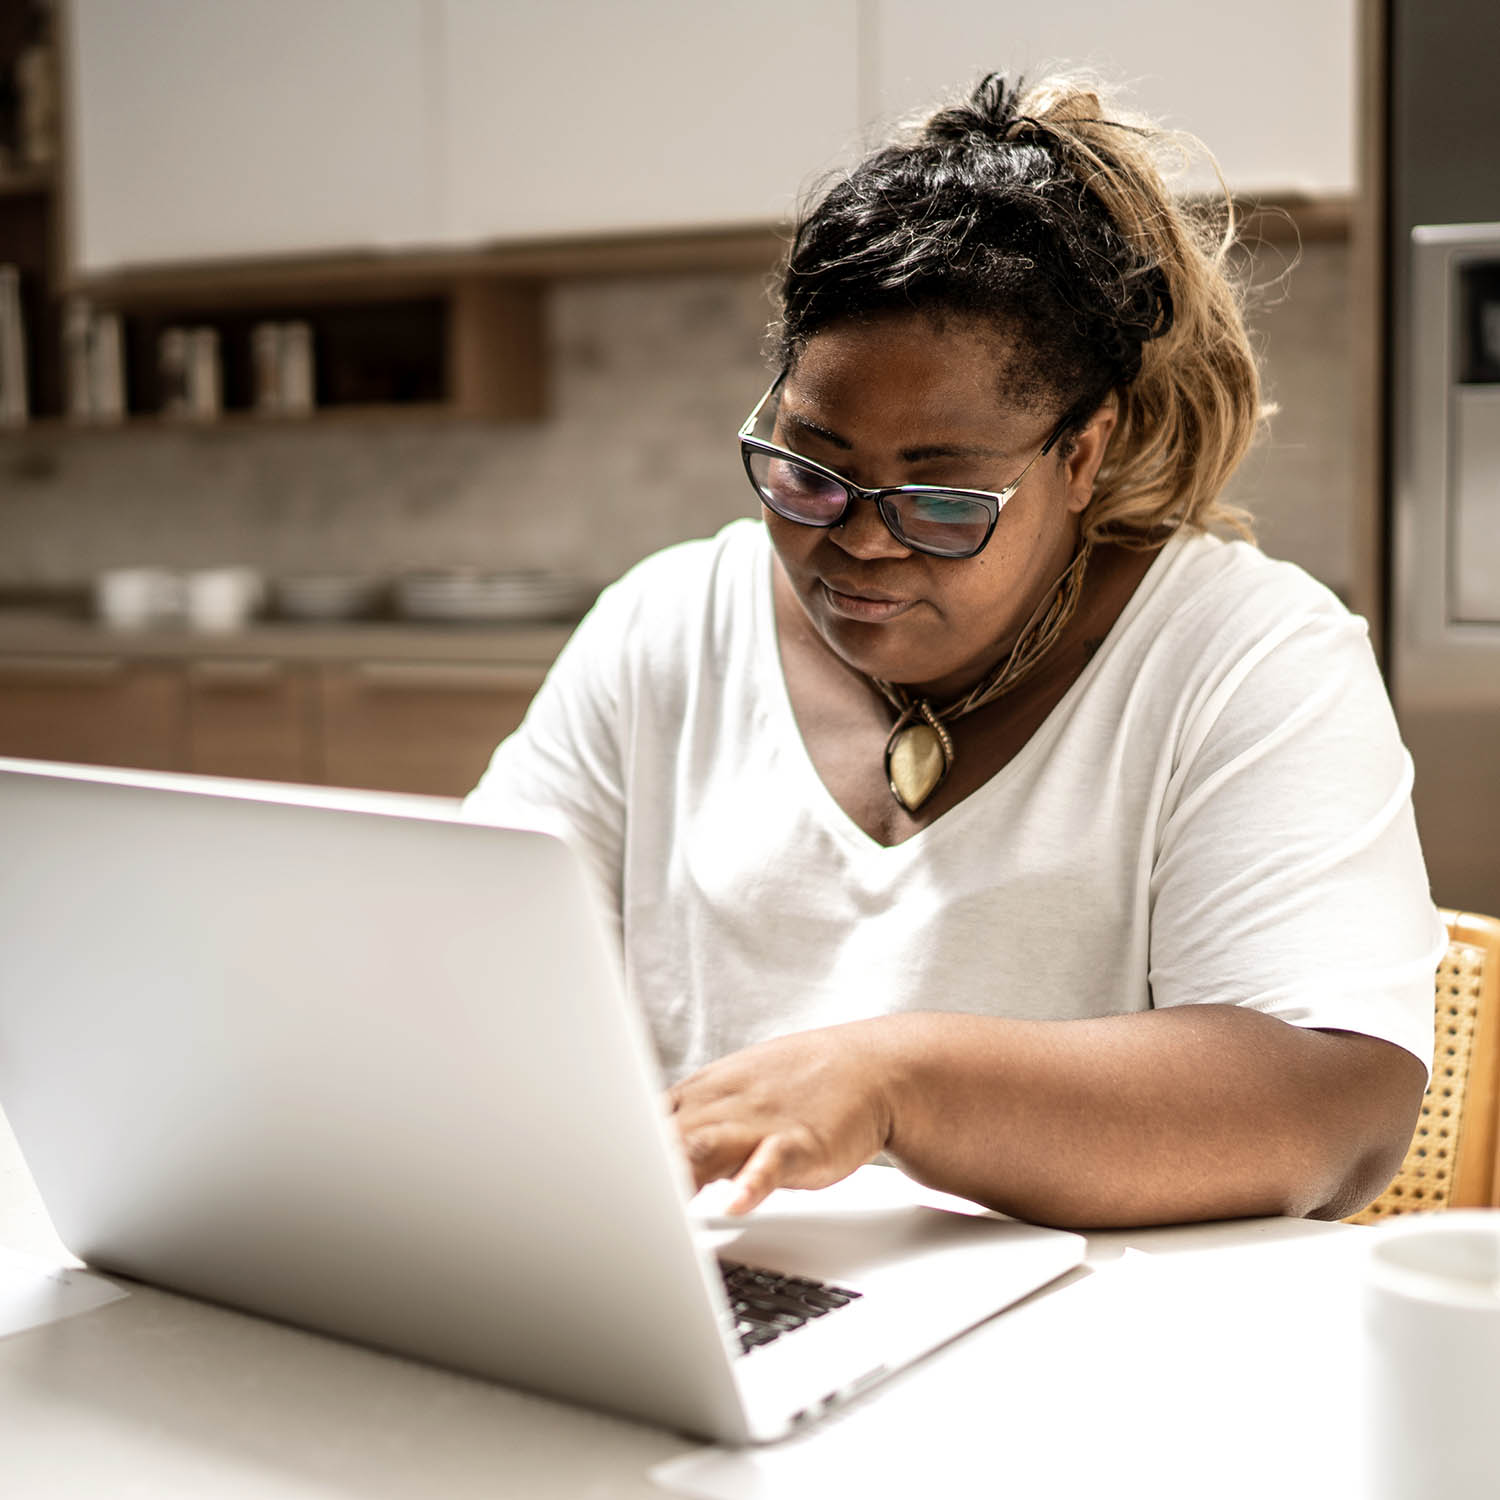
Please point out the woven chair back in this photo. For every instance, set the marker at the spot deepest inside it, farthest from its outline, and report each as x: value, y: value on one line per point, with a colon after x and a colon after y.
x: 1451, y: 1160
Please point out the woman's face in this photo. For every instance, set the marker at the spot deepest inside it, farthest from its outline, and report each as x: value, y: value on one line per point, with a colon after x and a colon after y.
x: 902, y: 400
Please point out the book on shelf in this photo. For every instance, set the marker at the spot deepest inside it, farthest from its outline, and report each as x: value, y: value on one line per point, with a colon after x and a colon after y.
x: 15, y: 404
x: 187, y: 361
x: 282, y: 354
x: 93, y: 363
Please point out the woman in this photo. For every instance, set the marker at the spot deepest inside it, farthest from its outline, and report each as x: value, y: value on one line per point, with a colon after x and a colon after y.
x: 980, y: 807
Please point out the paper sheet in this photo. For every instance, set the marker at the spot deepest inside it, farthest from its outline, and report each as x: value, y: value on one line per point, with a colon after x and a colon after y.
x: 34, y: 1291
x: 1229, y: 1372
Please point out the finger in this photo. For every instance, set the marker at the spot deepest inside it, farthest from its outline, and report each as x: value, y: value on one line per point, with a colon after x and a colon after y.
x: 768, y: 1168
x: 714, y: 1151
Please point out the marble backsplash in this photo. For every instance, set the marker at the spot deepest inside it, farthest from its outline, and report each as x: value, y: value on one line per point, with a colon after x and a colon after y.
x: 650, y: 379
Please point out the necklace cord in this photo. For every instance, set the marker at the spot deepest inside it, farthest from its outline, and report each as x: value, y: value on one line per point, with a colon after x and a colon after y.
x: 1039, y: 634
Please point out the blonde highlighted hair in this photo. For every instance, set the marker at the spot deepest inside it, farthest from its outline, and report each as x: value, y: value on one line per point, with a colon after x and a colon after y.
x: 1048, y: 213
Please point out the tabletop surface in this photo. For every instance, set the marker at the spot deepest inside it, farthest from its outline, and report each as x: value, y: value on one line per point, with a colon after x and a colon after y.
x: 160, y: 1395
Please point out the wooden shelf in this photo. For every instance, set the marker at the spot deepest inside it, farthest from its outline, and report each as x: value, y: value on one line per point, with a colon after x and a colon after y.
x: 367, y: 275
x: 471, y: 348
x: 1296, y: 219
x: 494, y: 337
x: 30, y: 182
x: 246, y: 421
x: 362, y: 275
x: 494, y: 352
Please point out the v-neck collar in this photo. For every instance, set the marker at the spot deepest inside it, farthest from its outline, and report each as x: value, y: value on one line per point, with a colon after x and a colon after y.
x: 821, y: 802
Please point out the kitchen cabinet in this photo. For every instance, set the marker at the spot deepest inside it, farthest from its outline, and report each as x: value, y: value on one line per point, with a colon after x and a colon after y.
x: 255, y: 718
x: 402, y: 726
x: 418, y: 726
x: 205, y: 131
x: 230, y: 165
x: 30, y: 209
x: 1271, y: 92
x: 96, y: 709
x: 207, y: 139
x: 585, y: 117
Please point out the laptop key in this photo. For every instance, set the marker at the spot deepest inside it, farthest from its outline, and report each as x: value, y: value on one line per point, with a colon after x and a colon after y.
x: 767, y: 1304
x: 828, y: 1299
x: 771, y: 1302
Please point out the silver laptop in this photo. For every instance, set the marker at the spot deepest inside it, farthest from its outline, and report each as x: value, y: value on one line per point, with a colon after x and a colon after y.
x: 361, y: 1066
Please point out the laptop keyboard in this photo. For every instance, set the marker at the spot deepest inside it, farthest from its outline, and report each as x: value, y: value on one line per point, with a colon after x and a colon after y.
x: 767, y: 1304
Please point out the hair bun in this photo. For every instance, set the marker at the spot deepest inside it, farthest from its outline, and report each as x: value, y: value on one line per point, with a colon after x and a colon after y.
x: 992, y: 112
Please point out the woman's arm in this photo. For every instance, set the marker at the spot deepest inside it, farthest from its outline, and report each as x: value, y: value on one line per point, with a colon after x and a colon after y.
x: 1198, y: 1112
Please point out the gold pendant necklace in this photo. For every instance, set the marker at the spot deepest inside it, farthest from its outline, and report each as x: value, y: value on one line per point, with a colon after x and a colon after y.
x: 919, y: 752
x: 917, y: 755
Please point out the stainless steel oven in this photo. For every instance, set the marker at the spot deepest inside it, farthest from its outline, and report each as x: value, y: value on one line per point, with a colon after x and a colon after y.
x: 1442, y: 181
x: 1445, y: 639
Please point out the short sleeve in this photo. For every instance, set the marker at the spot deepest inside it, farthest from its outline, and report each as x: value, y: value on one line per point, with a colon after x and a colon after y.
x: 562, y: 769
x: 1288, y: 876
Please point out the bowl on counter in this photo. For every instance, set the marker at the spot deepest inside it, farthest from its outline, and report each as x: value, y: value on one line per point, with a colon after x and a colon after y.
x: 463, y: 595
x: 328, y: 596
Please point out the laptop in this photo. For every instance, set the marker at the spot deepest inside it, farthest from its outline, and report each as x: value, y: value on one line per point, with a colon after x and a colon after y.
x: 356, y: 1064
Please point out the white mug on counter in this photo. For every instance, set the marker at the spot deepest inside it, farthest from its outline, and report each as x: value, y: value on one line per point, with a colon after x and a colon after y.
x: 1432, y: 1321
x: 137, y: 598
x: 222, y: 599
x: 214, y: 600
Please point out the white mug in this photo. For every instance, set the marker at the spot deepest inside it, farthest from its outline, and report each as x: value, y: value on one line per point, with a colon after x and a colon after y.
x: 136, y: 598
x: 222, y: 599
x: 1432, y: 1323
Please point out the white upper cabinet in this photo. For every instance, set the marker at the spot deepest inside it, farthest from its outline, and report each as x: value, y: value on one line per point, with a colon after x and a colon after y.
x: 591, y: 116
x: 210, y: 128
x: 1268, y: 88
x: 204, y: 129
x: 207, y: 129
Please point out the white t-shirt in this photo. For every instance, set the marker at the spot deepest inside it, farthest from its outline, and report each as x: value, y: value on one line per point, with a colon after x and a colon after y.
x: 1218, y: 810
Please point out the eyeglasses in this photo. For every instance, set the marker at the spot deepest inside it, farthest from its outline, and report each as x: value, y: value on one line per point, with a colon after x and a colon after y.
x: 924, y: 517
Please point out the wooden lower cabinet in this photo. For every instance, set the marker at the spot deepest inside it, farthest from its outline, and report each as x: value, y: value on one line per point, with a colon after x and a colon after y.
x: 416, y: 727
x: 100, y: 710
x: 387, y: 726
x: 253, y: 718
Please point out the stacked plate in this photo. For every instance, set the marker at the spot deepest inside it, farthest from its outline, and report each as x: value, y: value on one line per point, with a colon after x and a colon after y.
x: 462, y: 595
x: 327, y: 596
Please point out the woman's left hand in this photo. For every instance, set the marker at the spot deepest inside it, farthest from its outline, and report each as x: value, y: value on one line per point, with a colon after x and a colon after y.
x: 800, y: 1111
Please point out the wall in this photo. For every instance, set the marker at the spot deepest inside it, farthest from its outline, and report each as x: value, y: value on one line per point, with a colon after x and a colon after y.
x: 1298, y: 481
x: 651, y: 379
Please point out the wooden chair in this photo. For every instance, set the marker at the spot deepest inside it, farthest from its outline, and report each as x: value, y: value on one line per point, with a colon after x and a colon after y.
x: 1451, y: 1160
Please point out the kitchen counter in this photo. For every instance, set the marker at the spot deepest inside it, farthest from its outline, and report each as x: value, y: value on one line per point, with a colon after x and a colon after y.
x: 46, y: 633
x: 387, y: 705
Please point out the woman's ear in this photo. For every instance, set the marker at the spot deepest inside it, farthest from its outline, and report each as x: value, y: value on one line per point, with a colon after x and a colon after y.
x: 1087, y: 453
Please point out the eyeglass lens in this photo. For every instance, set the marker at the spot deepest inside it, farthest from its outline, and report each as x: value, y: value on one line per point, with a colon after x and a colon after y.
x: 947, y: 524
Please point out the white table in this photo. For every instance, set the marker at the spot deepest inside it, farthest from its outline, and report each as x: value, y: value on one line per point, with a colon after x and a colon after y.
x: 157, y: 1395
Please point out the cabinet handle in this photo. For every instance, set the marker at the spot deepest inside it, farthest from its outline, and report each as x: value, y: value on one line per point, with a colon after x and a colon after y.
x: 229, y: 672
x: 82, y: 671
x: 446, y: 677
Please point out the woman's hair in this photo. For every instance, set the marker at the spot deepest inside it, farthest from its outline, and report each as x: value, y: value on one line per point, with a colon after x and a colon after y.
x: 1034, y: 211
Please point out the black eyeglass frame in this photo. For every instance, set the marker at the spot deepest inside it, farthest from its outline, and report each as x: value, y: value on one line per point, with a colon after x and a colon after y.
x: 993, y: 501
